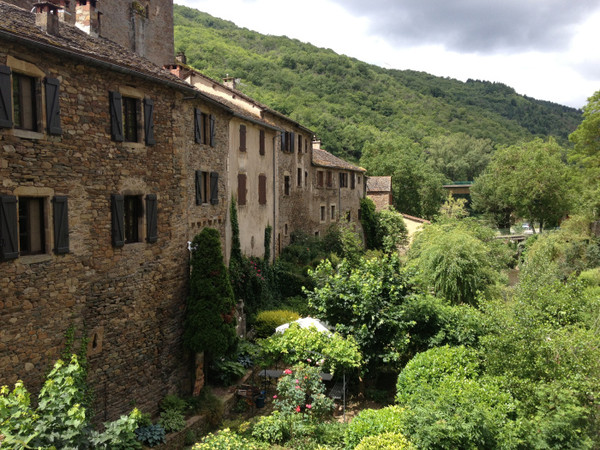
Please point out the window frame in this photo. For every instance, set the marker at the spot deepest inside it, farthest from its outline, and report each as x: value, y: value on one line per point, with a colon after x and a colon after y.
x: 25, y: 224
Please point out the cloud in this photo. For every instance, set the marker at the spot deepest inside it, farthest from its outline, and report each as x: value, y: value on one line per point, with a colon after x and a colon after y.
x: 476, y: 26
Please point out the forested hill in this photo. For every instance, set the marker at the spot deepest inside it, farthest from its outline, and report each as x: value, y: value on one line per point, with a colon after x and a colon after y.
x: 348, y: 102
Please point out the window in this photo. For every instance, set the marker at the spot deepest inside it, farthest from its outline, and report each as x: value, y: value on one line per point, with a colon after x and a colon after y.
x: 299, y: 177
x: 320, y: 178
x: 306, y: 178
x: 242, y: 189
x: 133, y: 216
x: 352, y: 180
x: 128, y: 219
x: 287, y: 141
x: 329, y: 179
x: 262, y: 189
x: 130, y: 119
x: 204, y: 128
x: 285, y: 229
x: 261, y: 142
x: 125, y: 119
x: 348, y: 215
x: 286, y: 185
x: 306, y: 146
x: 322, y: 213
x: 32, y: 226
x: 25, y: 102
x: 358, y: 181
x: 207, y: 187
x: 299, y: 143
x: 242, y: 138
x: 332, y: 212
x: 343, y: 179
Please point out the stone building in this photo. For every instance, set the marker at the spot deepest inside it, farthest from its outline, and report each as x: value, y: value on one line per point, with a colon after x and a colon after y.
x: 109, y: 165
x: 379, y: 189
x: 104, y: 177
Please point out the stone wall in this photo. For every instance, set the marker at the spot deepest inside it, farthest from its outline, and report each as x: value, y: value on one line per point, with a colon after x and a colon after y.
x: 382, y: 200
x: 129, y: 301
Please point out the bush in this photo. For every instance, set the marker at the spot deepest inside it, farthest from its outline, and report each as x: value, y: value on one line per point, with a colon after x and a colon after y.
x: 119, y: 434
x: 173, y: 401
x: 172, y: 420
x: 373, y: 422
x: 267, y: 321
x: 273, y: 429
x: 385, y: 441
x: 226, y: 440
x: 151, y: 435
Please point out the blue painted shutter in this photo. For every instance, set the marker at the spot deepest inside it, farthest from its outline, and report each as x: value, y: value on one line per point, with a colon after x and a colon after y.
x: 53, y: 106
x: 116, y: 116
x: 149, y: 121
x: 118, y: 220
x: 9, y: 235
x: 197, y: 126
x: 61, y: 224
x: 151, y: 218
x: 5, y: 98
x: 214, y: 188
x: 199, y: 187
x: 212, y: 130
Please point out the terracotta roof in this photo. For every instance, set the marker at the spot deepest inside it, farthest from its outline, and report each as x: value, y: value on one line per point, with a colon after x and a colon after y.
x: 325, y: 159
x: 379, y: 184
x: 19, y: 25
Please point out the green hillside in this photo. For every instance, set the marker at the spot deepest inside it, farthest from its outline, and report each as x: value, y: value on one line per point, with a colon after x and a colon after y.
x: 358, y: 109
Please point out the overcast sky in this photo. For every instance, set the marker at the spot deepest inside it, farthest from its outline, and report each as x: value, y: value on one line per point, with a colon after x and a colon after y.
x: 546, y: 49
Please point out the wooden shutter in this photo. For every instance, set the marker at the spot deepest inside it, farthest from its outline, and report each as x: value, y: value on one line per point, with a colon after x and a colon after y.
x: 242, y: 138
x: 292, y: 141
x: 212, y: 130
x: 262, y: 189
x: 197, y: 126
x: 352, y: 180
x: 53, y: 106
x: 116, y: 116
x: 214, y: 188
x: 241, y: 188
x: 151, y: 218
x: 118, y: 220
x: 5, y: 98
x: 283, y: 141
x: 9, y: 232
x: 61, y: 224
x: 261, y: 142
x: 299, y: 143
x: 199, y: 187
x: 149, y: 121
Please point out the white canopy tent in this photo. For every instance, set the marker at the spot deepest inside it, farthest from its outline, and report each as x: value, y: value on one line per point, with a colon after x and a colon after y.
x: 306, y: 322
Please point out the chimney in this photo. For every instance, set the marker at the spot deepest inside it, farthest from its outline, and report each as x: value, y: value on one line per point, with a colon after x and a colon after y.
x: 46, y: 17
x: 316, y: 144
x: 87, y: 17
x: 180, y: 58
x: 230, y: 82
x: 63, y: 10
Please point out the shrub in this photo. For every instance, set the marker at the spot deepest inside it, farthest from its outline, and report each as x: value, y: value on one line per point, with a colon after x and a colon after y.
x: 267, y: 321
x: 173, y: 401
x: 151, y: 435
x: 119, y: 434
x: 385, y: 441
x: 273, y: 429
x: 372, y: 422
x: 226, y: 440
x: 210, y: 321
x: 172, y: 420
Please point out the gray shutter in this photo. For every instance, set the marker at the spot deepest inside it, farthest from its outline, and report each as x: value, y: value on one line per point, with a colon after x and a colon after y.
x: 212, y: 130
x: 197, y: 126
x: 149, y: 121
x: 292, y: 141
x: 118, y: 220
x: 151, y: 218
x: 116, y: 116
x: 5, y: 98
x: 283, y: 141
x: 199, y: 187
x: 214, y: 188
x: 53, y: 106
x: 61, y: 224
x: 9, y: 235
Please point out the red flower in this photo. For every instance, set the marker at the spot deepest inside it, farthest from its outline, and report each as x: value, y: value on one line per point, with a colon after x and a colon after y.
x: 287, y: 371
x: 297, y: 408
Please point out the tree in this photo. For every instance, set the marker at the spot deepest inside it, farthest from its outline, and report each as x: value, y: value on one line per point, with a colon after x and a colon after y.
x: 586, y: 156
x: 209, y: 321
x: 530, y: 180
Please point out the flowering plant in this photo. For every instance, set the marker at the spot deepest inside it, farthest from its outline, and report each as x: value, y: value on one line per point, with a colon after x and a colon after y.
x: 301, y: 391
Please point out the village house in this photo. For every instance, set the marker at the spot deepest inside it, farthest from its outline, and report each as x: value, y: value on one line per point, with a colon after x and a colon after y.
x: 379, y: 189
x: 109, y: 166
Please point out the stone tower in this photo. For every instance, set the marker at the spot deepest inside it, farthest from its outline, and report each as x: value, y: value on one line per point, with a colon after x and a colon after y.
x: 143, y: 26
